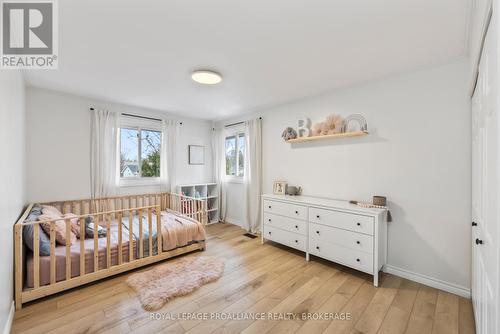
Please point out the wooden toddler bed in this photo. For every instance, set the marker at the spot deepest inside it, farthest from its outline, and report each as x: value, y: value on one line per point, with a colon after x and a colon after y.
x: 129, y: 240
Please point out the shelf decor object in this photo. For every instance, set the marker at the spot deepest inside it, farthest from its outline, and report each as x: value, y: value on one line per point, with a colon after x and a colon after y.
x: 208, y: 192
x: 334, y: 126
x: 355, y: 118
x: 337, y: 135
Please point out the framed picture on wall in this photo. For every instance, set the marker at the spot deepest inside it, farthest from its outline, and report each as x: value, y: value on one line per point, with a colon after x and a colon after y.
x: 196, y: 155
x: 279, y: 187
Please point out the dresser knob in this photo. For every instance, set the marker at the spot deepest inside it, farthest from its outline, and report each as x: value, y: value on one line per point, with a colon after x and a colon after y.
x: 358, y: 242
x: 269, y: 219
x: 479, y: 242
x: 317, y: 216
x: 269, y: 206
x: 359, y: 224
x: 317, y: 232
x: 358, y: 260
x: 269, y: 233
x: 297, y: 226
x: 296, y: 212
x: 317, y: 247
x: 474, y: 224
x: 296, y: 241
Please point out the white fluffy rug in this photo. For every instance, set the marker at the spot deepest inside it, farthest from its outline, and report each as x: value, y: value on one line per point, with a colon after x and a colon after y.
x: 157, y: 286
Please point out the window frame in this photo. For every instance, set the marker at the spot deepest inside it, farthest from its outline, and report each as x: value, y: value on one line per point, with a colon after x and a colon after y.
x: 235, y: 132
x: 138, y: 124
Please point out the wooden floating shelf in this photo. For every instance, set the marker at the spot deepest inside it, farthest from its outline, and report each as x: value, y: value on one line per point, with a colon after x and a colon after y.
x: 337, y: 135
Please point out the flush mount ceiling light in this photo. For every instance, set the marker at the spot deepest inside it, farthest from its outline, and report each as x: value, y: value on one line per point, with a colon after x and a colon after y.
x: 206, y: 77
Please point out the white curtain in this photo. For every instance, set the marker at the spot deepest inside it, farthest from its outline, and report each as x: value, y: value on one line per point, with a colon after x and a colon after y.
x: 218, y: 160
x: 104, y: 159
x: 253, y: 174
x: 168, y: 157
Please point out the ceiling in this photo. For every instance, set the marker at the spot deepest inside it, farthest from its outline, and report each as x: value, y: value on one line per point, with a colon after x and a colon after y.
x: 269, y: 52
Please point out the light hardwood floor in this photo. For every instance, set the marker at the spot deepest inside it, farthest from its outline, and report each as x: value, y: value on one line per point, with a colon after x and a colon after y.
x: 258, y: 278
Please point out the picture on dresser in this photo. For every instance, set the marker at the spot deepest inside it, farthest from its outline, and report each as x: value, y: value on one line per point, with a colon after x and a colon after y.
x: 279, y: 187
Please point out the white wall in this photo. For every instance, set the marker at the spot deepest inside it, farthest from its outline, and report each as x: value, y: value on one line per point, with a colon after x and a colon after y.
x: 12, y: 178
x: 418, y: 154
x: 477, y: 19
x: 58, y: 137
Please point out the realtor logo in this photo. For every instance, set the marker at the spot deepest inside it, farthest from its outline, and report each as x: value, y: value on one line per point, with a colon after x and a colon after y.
x: 29, y: 34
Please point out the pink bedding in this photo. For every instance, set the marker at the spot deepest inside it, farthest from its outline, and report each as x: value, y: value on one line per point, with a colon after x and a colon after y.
x: 177, y: 231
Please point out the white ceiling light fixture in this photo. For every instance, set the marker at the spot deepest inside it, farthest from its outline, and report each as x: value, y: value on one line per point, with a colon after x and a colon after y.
x: 206, y: 77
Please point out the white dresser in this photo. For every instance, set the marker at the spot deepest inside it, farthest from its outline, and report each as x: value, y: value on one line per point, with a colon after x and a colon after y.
x: 334, y: 230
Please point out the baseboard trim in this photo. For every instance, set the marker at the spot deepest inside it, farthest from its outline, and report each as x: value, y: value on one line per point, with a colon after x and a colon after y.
x: 430, y: 281
x: 8, y: 324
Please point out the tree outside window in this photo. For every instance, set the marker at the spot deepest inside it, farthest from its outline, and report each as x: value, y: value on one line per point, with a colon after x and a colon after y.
x: 140, y: 151
x: 235, y: 154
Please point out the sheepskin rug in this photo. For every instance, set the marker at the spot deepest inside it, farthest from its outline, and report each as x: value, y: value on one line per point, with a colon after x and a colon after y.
x: 157, y: 286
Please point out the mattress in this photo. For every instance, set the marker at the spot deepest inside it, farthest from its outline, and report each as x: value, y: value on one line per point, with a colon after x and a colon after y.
x: 176, y: 230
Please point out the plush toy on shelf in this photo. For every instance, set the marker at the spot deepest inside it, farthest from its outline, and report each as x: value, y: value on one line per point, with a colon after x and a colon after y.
x: 288, y: 134
x: 331, y: 125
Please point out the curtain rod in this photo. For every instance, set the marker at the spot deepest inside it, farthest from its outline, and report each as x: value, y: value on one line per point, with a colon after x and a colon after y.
x: 143, y: 117
x: 238, y: 123
x: 137, y: 116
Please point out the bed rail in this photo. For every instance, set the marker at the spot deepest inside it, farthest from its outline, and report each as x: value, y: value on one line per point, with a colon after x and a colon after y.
x: 188, y: 206
x: 103, y: 212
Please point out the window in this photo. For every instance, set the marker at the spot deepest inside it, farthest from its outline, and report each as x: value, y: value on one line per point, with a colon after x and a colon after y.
x: 235, y: 154
x: 140, y: 151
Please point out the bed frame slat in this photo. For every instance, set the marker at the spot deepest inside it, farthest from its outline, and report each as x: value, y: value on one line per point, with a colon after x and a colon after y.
x: 36, y: 256
x: 108, y: 240
x: 130, y: 235
x: 150, y: 229
x: 159, y: 235
x: 68, y: 249
x: 52, y: 253
x: 82, y: 246
x: 120, y: 247
x: 96, y: 243
x: 141, y: 243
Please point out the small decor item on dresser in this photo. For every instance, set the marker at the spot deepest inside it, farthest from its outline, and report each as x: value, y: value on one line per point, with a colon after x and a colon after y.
x: 367, y: 205
x: 382, y: 201
x: 358, y: 118
x: 279, y: 187
x: 293, y: 190
x: 379, y: 202
x: 289, y: 133
x: 330, y: 126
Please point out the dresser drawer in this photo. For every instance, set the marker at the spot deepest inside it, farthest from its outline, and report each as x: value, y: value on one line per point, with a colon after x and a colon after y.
x: 346, y: 256
x: 286, y: 209
x: 348, y: 239
x: 285, y: 223
x: 286, y: 238
x: 346, y: 221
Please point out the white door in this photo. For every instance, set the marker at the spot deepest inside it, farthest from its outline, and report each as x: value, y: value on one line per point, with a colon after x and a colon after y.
x: 485, y: 185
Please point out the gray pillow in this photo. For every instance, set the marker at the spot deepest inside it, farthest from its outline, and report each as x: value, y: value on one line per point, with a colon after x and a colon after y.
x: 89, y: 228
x: 28, y: 231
